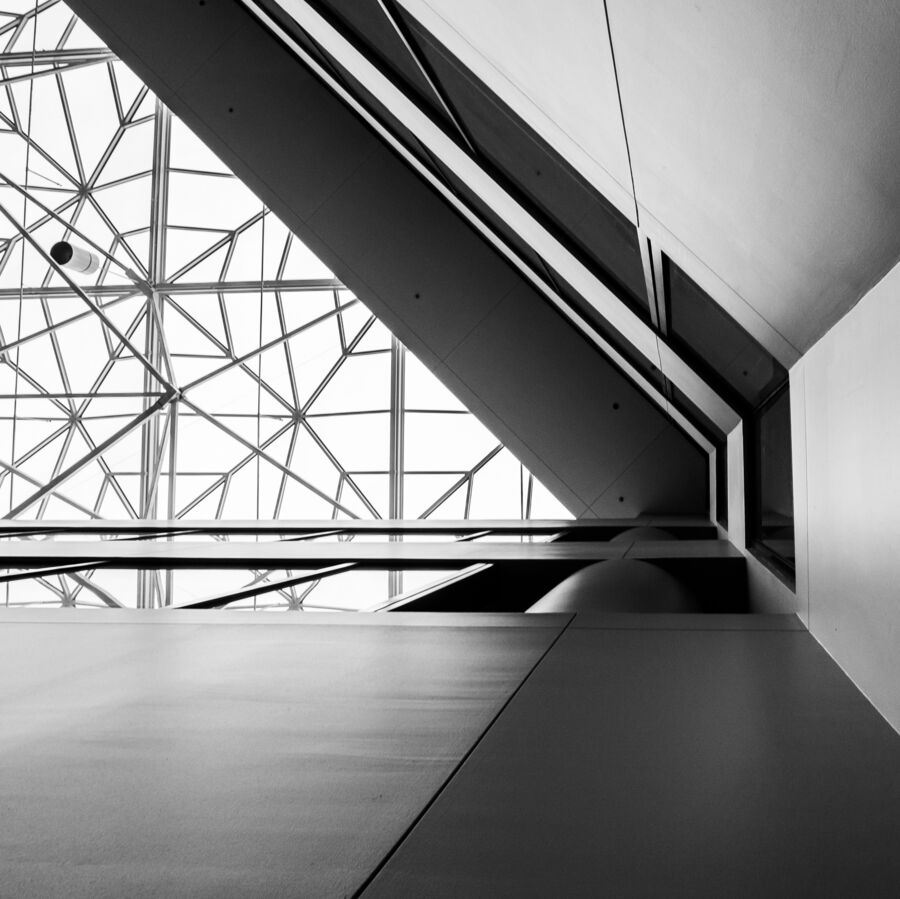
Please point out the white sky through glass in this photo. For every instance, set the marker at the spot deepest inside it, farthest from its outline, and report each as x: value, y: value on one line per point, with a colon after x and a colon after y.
x: 200, y: 277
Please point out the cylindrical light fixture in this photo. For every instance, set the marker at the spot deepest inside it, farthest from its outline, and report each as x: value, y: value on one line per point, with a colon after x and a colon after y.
x: 75, y: 258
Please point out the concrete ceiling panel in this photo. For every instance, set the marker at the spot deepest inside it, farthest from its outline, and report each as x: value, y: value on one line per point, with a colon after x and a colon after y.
x: 202, y: 29
x: 654, y: 467
x: 414, y: 252
x: 562, y: 398
x: 552, y: 64
x: 765, y: 137
x: 501, y: 430
x: 551, y: 184
x: 280, y: 106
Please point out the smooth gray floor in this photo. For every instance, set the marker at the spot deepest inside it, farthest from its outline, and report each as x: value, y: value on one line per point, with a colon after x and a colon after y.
x: 221, y: 759
x: 230, y: 754
x: 669, y: 762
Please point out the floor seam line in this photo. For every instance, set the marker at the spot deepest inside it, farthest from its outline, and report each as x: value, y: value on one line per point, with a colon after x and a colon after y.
x: 456, y: 769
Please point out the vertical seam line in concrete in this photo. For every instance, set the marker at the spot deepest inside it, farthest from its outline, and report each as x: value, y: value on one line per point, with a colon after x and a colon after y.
x: 806, y: 498
x: 206, y: 60
x: 670, y: 234
x: 488, y: 314
x: 654, y: 440
x: 612, y: 53
x: 349, y: 176
x: 456, y: 769
x: 637, y: 214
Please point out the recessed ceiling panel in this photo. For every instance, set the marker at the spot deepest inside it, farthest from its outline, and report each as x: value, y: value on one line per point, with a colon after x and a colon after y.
x: 551, y: 63
x: 766, y: 137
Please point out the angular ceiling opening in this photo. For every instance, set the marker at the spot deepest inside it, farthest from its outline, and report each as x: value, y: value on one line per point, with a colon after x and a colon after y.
x: 596, y: 430
x: 212, y: 367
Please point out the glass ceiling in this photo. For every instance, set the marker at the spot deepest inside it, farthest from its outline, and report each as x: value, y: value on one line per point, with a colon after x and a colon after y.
x: 212, y: 368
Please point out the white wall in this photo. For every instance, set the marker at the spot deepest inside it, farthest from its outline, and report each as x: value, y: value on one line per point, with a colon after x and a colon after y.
x: 845, y: 395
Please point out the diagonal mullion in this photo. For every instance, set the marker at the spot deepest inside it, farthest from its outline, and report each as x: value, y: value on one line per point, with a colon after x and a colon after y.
x: 84, y: 297
x: 70, y: 126
x: 229, y: 238
x: 464, y: 481
x: 23, y: 574
x: 258, y: 587
x: 57, y: 353
x: 118, y: 182
x: 337, y: 365
x: 5, y: 347
x: 156, y: 303
x: 58, y: 69
x: 101, y: 495
x: 18, y: 24
x: 289, y: 461
x: 246, y: 460
x: 342, y: 333
x: 270, y: 459
x: 42, y: 391
x: 71, y: 226
x: 57, y: 467
x: 157, y: 461
x: 96, y: 589
x: 66, y: 32
x: 39, y: 446
x: 110, y: 362
x: 109, y: 476
x: 288, y: 358
x: 121, y: 238
x: 88, y: 458
x: 114, y: 86
x: 127, y: 119
x: 12, y: 469
x: 15, y: 124
x: 14, y: 241
x: 282, y: 338
x: 226, y: 324
x: 273, y: 393
x: 345, y: 475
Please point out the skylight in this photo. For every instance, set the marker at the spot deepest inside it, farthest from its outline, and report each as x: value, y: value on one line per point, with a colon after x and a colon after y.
x: 213, y: 368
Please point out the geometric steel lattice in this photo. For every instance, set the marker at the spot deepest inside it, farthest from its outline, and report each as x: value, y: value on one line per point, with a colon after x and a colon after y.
x: 212, y: 368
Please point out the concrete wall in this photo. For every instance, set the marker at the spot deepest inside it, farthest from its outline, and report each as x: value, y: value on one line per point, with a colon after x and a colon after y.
x: 845, y: 395
x: 763, y: 137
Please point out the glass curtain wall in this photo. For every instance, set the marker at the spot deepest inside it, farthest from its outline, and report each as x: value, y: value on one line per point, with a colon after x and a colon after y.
x: 211, y: 367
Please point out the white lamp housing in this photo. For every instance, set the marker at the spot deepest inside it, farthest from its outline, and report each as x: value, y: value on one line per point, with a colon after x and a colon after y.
x: 75, y: 258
